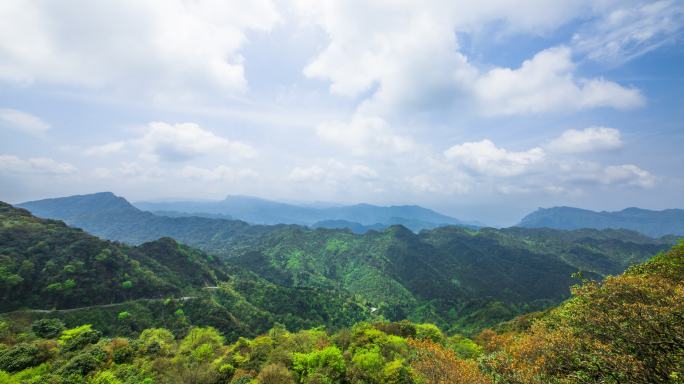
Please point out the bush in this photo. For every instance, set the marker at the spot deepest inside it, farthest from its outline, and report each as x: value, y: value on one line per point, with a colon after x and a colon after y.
x: 429, y: 332
x: 18, y: 357
x: 77, y: 338
x: 327, y: 361
x: 156, y: 341
x: 275, y: 374
x: 47, y: 328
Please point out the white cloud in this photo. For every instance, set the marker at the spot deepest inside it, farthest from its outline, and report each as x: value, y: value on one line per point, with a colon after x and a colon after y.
x: 179, y: 142
x: 22, y: 121
x: 546, y: 83
x: 105, y: 149
x: 219, y: 173
x: 631, y: 30
x: 486, y: 158
x: 158, y: 48
x: 333, y: 172
x: 440, y: 183
x: 587, y: 140
x: 399, y: 56
x: 583, y: 172
x: 364, y: 135
x: 628, y: 174
x: 161, y: 141
x: 312, y: 173
x: 35, y: 165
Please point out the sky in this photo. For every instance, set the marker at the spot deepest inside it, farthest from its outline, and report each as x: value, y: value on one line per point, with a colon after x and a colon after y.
x: 481, y: 110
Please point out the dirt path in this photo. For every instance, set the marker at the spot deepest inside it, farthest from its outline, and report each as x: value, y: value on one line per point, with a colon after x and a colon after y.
x: 184, y: 298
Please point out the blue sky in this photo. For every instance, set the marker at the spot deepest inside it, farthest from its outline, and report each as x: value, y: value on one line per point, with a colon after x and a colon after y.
x: 483, y: 110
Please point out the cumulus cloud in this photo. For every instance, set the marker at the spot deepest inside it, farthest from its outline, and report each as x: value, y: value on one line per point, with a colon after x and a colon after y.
x: 364, y: 135
x: 582, y: 172
x: 448, y: 183
x: 411, y: 58
x: 586, y: 140
x: 311, y: 173
x: 631, y: 30
x: 219, y: 173
x: 161, y: 141
x: 332, y: 172
x: 546, y: 83
x: 180, y: 142
x: 486, y: 158
x: 22, y: 121
x: 163, y: 49
x: 105, y: 149
x: 35, y: 165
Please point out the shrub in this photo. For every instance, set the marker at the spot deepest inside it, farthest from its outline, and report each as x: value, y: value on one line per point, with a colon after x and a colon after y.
x: 275, y: 374
x: 18, y: 357
x: 47, y: 328
x: 77, y: 338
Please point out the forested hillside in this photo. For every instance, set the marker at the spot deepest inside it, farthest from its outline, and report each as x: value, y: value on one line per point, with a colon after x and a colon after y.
x: 627, y: 329
x: 453, y: 276
x: 46, y: 265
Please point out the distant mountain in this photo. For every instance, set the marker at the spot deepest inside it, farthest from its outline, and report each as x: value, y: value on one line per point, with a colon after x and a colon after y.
x: 652, y: 223
x: 259, y: 211
x: 112, y: 217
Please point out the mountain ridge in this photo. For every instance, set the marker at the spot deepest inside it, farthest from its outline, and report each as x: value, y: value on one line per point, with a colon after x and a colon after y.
x: 257, y: 210
x: 448, y: 275
x: 649, y: 222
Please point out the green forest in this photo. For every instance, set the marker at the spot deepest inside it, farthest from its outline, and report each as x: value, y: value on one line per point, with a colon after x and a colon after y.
x: 294, y: 305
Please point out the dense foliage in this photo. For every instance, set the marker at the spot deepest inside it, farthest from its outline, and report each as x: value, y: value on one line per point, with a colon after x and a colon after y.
x: 400, y: 352
x: 623, y: 329
x: 627, y: 329
x: 53, y: 269
x: 459, y: 278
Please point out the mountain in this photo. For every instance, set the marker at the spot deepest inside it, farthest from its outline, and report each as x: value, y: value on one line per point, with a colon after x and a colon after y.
x: 626, y: 329
x: 260, y: 211
x: 113, y: 218
x: 449, y: 275
x: 60, y: 271
x: 652, y: 223
x: 47, y: 264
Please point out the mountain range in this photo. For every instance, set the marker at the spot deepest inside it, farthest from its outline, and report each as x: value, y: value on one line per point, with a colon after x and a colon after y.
x: 451, y: 275
x: 651, y: 223
x: 260, y: 211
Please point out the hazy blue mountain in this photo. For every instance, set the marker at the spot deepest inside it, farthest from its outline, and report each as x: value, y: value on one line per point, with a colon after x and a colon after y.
x: 260, y: 211
x: 112, y: 217
x: 652, y: 223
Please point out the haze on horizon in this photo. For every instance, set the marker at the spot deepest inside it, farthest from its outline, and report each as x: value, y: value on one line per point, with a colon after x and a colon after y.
x: 483, y: 111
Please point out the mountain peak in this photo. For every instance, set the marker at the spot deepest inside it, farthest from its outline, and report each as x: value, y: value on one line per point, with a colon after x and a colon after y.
x: 100, y: 202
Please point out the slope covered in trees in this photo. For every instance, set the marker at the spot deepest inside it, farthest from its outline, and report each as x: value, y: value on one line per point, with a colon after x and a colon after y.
x: 452, y: 276
x: 651, y: 223
x: 626, y: 329
x: 44, y: 265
